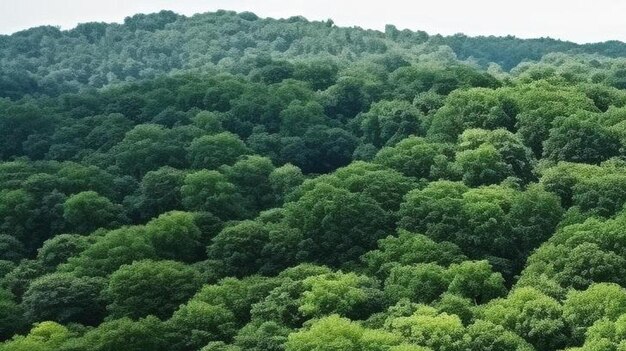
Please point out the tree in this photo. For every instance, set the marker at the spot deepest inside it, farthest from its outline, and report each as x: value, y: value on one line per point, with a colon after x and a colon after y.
x: 486, y: 222
x: 567, y: 257
x: 268, y: 336
x: 534, y: 216
x: 60, y: 248
x: 427, y: 328
x: 472, y: 108
x: 327, y: 149
x: 208, y: 121
x: 540, y: 103
x: 64, y: 298
x: 347, y: 294
x: 160, y: 191
x: 11, y: 249
x: 601, y: 195
x: 410, y: 249
x: 337, y: 226
x: 387, y: 187
x: 87, y: 211
x: 347, y: 97
x: 433, y: 210
x: 461, y: 306
x: 237, y: 295
x: 16, y: 207
x: 150, y: 288
x: 147, y: 147
x: 251, y: 177
x: 605, y: 334
x: 388, y: 122
x: 196, y: 323
x: 531, y: 314
x: 220, y: 346
x: 414, y: 157
x: 212, y: 151
x: 19, y: 278
x: 211, y: 191
x: 422, y: 283
x: 241, y: 247
x: 475, y: 280
x: 283, y: 180
x: 577, y: 140
x: 519, y: 158
x: 22, y: 120
x: 581, y: 309
x: 110, y: 251
x: 336, y: 333
x: 298, y: 117
x: 282, y: 304
x: 175, y: 236
x: 319, y: 73
x: 123, y: 334
x: 11, y: 315
x: 45, y: 336
x: 488, y: 336
x: 482, y: 166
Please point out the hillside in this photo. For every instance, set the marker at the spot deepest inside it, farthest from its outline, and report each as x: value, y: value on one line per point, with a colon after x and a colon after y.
x: 46, y: 60
x: 224, y: 182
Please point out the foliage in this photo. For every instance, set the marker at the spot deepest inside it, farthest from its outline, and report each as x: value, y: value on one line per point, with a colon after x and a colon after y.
x: 229, y: 182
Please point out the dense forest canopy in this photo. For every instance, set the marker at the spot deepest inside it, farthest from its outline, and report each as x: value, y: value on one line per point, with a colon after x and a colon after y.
x: 224, y: 182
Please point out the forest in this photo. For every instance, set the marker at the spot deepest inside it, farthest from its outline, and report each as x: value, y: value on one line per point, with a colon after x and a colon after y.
x: 225, y: 182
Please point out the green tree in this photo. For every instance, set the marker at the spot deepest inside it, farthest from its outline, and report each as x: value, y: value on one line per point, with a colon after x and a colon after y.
x: 410, y: 249
x: 336, y: 333
x: 64, y: 298
x: 110, y: 251
x: 482, y: 166
x: 212, y: 151
x: 45, y: 336
x: 87, y: 211
x: 160, y: 191
x: 175, y: 236
x: 347, y: 294
x: 428, y: 328
x: 11, y: 315
x: 196, y: 323
x: 283, y: 180
x: 518, y: 158
x: 251, y: 177
x: 123, y: 334
x: 150, y: 288
x: 241, y: 247
x: 472, y: 108
x: 268, y: 336
x: 414, y: 157
x: 531, y: 314
x: 475, y: 280
x: 298, y: 117
x: 147, y: 147
x: 488, y: 336
x: 581, y: 309
x: 211, y: 191
x: 60, y: 248
x: 388, y: 122
x: 421, y: 283
x: 337, y: 226
x: 577, y: 140
x: 237, y: 295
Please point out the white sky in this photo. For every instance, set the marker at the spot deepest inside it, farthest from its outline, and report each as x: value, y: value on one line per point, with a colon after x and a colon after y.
x: 576, y: 20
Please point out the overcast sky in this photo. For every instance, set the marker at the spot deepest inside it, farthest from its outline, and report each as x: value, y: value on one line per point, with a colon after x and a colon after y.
x: 576, y: 20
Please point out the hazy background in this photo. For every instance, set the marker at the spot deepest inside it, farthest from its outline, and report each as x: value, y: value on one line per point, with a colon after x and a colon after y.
x: 575, y: 20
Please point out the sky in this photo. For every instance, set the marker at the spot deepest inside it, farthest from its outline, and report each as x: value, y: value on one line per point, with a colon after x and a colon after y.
x: 581, y: 21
